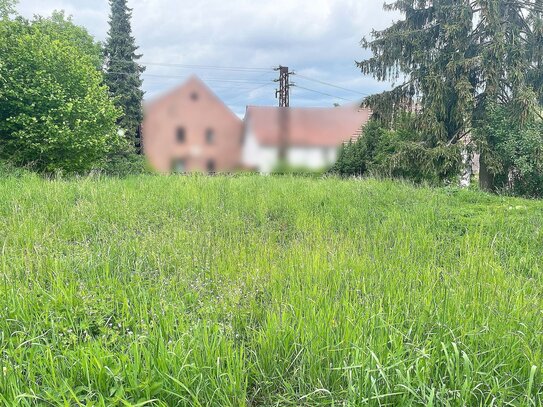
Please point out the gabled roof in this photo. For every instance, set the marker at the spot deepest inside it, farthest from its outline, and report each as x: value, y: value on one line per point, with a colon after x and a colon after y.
x: 311, y: 127
x: 192, y: 84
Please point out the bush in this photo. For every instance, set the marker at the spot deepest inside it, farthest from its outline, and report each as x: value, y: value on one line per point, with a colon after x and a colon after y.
x: 55, y: 113
x: 401, y: 152
x: 9, y: 170
x: 125, y: 163
x: 513, y: 152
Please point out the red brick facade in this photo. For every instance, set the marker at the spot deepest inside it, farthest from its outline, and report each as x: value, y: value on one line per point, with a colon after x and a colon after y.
x: 191, y: 129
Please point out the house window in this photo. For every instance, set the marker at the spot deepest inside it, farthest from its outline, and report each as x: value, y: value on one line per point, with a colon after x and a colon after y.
x: 181, y: 135
x: 179, y: 165
x: 210, y: 136
x: 210, y: 166
x: 194, y: 96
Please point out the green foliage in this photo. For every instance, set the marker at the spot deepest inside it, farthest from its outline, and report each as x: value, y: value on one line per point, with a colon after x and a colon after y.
x: 265, y: 291
x: 7, y: 8
x: 398, y: 152
x: 61, y: 27
x: 55, y: 113
x: 455, y: 58
x: 7, y: 169
x: 122, y: 70
x: 126, y: 162
x: 513, y: 151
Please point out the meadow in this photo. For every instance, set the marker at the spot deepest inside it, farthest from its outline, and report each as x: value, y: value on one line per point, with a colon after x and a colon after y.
x: 267, y: 291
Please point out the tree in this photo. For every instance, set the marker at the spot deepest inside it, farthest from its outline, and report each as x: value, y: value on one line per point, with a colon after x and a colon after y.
x: 514, y: 151
x: 55, y: 112
x: 454, y: 58
x: 7, y: 7
x: 397, y: 152
x: 61, y: 27
x: 122, y: 70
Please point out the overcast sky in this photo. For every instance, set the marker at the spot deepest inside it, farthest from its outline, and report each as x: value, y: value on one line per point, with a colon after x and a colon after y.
x: 318, y: 39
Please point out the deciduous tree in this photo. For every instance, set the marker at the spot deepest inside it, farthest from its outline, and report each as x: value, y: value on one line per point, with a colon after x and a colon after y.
x: 60, y: 26
x: 55, y: 111
x: 7, y: 7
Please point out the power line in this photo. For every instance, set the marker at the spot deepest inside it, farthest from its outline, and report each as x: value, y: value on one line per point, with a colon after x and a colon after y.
x: 221, y: 68
x: 250, y: 91
x: 190, y: 66
x: 240, y: 85
x: 238, y: 82
x: 330, y: 84
x: 248, y: 69
x: 323, y: 93
x: 245, y: 69
x: 234, y: 87
x: 186, y: 77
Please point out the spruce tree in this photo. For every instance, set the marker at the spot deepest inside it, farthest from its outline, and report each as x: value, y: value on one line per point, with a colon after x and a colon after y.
x: 123, y: 71
x: 456, y: 58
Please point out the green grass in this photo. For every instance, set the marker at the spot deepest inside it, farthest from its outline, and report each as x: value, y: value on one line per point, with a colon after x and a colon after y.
x: 264, y: 291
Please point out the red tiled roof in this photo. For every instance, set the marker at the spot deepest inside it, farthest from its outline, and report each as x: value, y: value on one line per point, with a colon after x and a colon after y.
x: 319, y: 127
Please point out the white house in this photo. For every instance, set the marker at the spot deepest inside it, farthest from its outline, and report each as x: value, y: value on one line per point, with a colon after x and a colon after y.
x: 305, y: 137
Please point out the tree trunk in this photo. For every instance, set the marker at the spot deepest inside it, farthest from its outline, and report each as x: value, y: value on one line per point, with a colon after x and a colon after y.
x: 467, y: 166
x: 486, y: 179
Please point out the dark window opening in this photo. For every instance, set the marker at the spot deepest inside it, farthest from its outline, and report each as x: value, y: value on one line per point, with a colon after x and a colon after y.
x: 210, y: 136
x: 210, y: 166
x: 139, y: 140
x: 179, y: 165
x: 194, y: 96
x: 181, y: 135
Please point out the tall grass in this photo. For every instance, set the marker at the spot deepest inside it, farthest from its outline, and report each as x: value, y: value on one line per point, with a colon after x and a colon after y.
x: 196, y: 291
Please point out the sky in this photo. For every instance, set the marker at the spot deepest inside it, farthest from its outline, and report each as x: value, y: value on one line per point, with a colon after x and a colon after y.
x: 233, y: 45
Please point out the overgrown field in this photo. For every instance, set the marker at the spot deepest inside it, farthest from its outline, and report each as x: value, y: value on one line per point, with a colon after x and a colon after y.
x: 265, y: 291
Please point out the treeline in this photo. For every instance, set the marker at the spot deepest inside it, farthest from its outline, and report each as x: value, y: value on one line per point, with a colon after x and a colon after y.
x: 61, y: 111
x: 470, y: 77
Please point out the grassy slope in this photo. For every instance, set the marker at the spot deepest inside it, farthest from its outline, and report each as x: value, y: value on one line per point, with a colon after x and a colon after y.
x: 262, y: 290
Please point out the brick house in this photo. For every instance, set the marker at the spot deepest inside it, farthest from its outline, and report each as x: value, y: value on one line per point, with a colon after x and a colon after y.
x: 191, y: 129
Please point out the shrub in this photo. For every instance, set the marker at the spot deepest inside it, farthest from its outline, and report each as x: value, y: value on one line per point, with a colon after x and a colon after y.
x: 55, y: 113
x: 9, y: 170
x: 513, y: 152
x: 398, y: 152
x: 125, y: 163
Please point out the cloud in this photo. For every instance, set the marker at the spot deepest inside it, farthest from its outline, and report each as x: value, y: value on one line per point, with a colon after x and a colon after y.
x: 318, y: 38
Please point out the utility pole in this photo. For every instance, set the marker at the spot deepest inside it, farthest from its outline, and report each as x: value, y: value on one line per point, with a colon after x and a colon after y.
x: 284, y: 86
x: 283, y: 117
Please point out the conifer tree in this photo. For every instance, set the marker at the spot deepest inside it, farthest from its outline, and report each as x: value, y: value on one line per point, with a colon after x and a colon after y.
x: 456, y: 58
x: 123, y: 71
